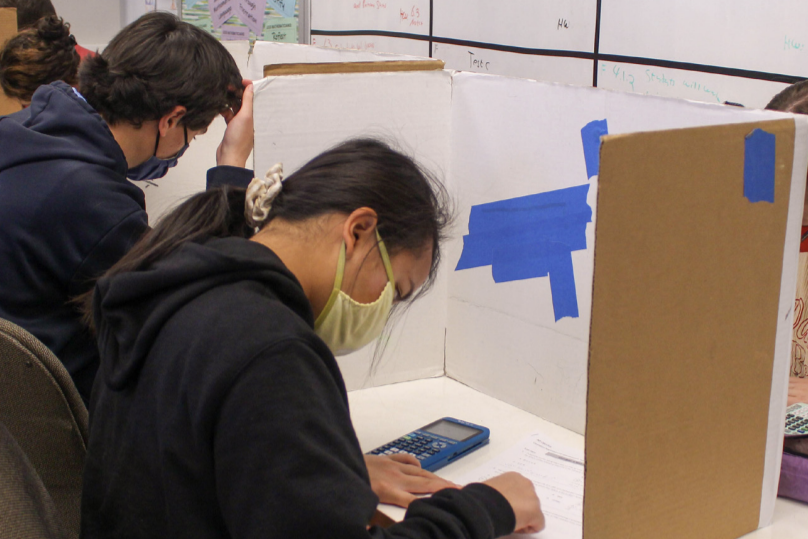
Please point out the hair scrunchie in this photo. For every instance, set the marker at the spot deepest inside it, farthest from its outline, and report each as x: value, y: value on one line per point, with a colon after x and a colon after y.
x: 260, y: 195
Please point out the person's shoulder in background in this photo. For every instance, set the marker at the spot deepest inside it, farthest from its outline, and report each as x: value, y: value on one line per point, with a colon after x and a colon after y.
x: 84, y: 53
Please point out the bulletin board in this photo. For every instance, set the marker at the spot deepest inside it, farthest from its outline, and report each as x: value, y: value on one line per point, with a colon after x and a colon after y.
x: 265, y: 20
x: 741, y: 52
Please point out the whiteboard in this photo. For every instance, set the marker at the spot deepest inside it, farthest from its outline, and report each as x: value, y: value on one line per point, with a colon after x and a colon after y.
x: 741, y: 51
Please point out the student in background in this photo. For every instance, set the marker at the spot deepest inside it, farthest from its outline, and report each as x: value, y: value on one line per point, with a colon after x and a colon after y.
x: 67, y: 210
x: 795, y: 99
x: 31, y: 11
x: 38, y: 55
x: 220, y: 410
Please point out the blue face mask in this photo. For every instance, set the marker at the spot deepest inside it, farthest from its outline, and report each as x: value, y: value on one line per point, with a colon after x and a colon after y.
x: 155, y: 168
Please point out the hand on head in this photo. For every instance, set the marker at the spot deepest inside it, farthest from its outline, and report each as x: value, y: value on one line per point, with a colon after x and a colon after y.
x: 238, y: 140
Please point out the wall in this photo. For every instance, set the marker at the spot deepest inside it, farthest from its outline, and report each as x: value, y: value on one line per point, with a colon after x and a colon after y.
x: 94, y: 22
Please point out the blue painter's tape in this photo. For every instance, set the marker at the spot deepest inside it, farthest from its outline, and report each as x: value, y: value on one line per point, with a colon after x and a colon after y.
x: 758, y: 166
x: 590, y: 136
x: 530, y: 237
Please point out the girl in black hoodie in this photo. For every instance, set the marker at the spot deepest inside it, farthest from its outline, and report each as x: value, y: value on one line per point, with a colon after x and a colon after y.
x: 219, y: 410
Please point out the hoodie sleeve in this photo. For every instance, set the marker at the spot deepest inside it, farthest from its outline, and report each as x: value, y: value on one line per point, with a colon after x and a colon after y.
x: 109, y: 248
x: 288, y: 464
x: 227, y: 175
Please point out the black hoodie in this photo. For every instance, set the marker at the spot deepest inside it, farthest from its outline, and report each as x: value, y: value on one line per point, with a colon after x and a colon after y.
x: 218, y: 413
x: 67, y: 213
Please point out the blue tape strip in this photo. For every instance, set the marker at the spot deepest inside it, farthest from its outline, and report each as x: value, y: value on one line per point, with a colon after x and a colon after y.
x: 758, y: 166
x: 530, y: 237
x: 590, y: 136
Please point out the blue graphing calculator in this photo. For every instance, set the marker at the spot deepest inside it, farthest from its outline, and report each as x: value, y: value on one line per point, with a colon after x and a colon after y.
x: 438, y: 443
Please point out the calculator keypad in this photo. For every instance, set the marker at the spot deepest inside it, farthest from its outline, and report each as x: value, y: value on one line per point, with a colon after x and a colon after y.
x: 421, y: 446
x: 797, y: 420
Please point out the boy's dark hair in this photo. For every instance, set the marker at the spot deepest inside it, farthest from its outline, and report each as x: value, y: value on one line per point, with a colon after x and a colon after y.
x: 29, y: 11
x: 414, y: 209
x: 37, y: 56
x: 155, y: 64
x: 793, y: 99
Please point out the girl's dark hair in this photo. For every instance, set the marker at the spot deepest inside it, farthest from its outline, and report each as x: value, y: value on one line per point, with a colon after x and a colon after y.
x: 793, y: 98
x: 157, y: 63
x: 413, y: 208
x: 29, y: 11
x: 39, y: 55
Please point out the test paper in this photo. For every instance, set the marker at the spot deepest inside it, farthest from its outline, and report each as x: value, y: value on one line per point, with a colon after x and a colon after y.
x: 557, y: 472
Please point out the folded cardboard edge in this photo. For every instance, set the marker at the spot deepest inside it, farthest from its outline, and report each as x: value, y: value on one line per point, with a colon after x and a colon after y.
x: 320, y: 68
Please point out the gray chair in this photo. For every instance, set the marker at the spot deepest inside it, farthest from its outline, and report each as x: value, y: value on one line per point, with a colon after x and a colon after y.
x: 43, y: 411
x: 26, y: 508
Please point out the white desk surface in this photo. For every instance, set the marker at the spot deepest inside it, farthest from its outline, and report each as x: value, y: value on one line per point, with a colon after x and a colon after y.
x: 382, y: 414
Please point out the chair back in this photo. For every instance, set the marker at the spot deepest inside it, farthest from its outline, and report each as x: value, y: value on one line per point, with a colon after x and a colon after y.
x: 26, y: 508
x: 41, y: 408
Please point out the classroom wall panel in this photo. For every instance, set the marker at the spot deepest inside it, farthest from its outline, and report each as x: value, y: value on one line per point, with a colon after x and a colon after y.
x: 685, y: 84
x: 367, y: 43
x: 769, y: 36
x: 563, y: 25
x: 567, y: 70
x: 742, y: 52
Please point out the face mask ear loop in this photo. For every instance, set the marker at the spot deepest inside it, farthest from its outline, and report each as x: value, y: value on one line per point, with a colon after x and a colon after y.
x: 388, y: 267
x: 335, y: 290
x: 157, y: 142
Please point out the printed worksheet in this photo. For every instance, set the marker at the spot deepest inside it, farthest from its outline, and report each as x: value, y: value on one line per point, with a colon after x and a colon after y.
x: 557, y: 471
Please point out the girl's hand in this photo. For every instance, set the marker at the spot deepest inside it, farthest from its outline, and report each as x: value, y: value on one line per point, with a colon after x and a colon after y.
x: 396, y: 479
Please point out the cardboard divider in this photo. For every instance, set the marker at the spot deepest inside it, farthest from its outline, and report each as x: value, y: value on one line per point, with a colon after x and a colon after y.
x: 516, y: 322
x: 8, y: 29
x: 321, y: 68
x: 684, y: 322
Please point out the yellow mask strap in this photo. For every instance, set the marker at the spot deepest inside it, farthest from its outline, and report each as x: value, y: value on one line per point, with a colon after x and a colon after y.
x: 388, y: 267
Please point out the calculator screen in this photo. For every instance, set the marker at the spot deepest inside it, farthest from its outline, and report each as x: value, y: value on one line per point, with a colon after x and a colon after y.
x: 452, y: 430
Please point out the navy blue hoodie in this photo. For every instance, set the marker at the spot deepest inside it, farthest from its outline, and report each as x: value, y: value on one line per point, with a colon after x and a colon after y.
x: 219, y: 413
x: 67, y: 213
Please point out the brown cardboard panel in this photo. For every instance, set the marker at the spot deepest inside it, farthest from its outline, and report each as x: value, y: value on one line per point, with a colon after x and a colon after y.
x: 352, y: 67
x: 684, y: 315
x: 8, y: 24
x: 8, y: 27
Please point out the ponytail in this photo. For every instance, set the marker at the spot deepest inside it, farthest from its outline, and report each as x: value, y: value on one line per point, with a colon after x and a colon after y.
x: 217, y: 213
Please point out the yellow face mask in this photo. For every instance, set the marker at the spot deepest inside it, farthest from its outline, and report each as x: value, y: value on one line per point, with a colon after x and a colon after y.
x: 347, y: 325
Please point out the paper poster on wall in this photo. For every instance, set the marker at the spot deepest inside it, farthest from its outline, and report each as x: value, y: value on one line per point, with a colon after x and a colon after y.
x: 264, y: 20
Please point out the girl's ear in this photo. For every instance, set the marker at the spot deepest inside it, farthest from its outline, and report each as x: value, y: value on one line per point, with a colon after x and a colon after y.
x: 359, y: 231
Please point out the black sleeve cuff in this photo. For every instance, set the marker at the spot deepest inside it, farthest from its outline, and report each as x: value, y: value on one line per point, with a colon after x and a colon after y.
x: 227, y: 175
x: 477, y: 511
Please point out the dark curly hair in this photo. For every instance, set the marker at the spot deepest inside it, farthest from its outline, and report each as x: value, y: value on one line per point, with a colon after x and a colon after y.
x: 155, y: 64
x: 39, y: 55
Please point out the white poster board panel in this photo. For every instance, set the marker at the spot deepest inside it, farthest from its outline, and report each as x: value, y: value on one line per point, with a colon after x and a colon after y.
x: 514, y: 138
x: 505, y: 338
x: 745, y: 34
x: 410, y: 16
x: 511, y: 64
x: 684, y: 84
x: 782, y: 352
x: 297, y: 117
x: 375, y: 44
x: 559, y: 25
